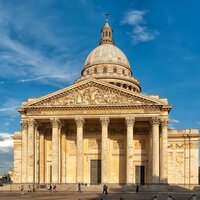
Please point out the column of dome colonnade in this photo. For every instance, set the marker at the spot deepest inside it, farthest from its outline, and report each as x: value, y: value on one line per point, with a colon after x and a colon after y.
x: 79, y: 150
x: 104, y: 149
x: 56, y: 128
x: 130, y: 121
x: 24, y: 125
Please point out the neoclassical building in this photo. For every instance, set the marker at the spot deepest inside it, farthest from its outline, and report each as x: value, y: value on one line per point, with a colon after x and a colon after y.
x: 102, y: 129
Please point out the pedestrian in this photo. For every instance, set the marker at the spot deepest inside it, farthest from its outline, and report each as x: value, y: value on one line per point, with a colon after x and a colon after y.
x: 137, y: 189
x: 105, y: 189
x: 22, y: 189
x: 54, y: 188
x: 170, y: 198
x: 79, y: 187
x: 154, y: 198
x: 33, y: 188
x: 193, y: 197
x: 29, y: 188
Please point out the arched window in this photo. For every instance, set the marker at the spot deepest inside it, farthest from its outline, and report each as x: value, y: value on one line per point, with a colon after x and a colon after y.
x: 123, y: 72
x: 87, y: 72
x: 114, y: 70
x: 106, y: 33
x: 95, y: 70
x: 109, y: 34
x: 104, y: 70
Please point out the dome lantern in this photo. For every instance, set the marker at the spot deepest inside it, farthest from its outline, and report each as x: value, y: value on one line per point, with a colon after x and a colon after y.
x: 106, y: 33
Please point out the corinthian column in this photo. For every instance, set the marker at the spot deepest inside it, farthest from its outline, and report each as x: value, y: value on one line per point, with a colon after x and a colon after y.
x: 104, y: 149
x: 24, y: 124
x: 130, y: 121
x: 79, y: 150
x: 163, y: 158
x: 155, y: 149
x: 31, y: 150
x: 56, y: 125
x: 42, y: 156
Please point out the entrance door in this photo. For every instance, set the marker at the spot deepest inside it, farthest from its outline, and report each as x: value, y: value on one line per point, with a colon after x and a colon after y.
x: 95, y: 172
x: 139, y: 175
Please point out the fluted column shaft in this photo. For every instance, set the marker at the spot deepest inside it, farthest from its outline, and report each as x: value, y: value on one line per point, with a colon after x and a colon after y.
x: 163, y: 157
x: 24, y: 124
x: 155, y: 149
x: 104, y: 149
x: 63, y: 157
x: 130, y: 121
x: 79, y: 150
x: 31, y: 150
x: 42, y: 157
x: 56, y: 124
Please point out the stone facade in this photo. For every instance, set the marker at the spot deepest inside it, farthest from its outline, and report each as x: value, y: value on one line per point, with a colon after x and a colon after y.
x: 101, y: 129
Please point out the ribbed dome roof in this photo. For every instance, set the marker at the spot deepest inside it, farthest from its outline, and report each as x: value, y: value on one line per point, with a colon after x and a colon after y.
x: 106, y: 53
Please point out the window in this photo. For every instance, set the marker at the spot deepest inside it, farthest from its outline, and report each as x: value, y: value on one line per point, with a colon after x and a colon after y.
x: 123, y: 72
x: 115, y: 70
x: 104, y: 70
x: 106, y: 33
x: 95, y: 70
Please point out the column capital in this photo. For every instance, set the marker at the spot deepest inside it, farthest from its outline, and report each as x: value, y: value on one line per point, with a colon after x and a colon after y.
x: 32, y: 123
x: 79, y: 121
x: 130, y: 121
x: 164, y: 122
x: 104, y: 121
x: 24, y: 124
x: 55, y: 122
x: 155, y: 120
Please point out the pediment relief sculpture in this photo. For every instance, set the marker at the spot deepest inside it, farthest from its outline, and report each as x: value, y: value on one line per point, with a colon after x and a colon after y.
x: 92, y: 94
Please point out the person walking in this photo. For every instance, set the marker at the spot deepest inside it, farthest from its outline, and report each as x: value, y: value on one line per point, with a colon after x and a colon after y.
x: 137, y: 189
x: 154, y: 198
x: 29, y: 188
x: 105, y: 189
x: 79, y: 187
x: 22, y: 189
x: 193, y: 197
x: 170, y: 198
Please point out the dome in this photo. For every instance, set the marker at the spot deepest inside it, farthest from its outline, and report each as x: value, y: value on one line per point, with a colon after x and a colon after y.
x: 108, y: 63
x: 106, y: 53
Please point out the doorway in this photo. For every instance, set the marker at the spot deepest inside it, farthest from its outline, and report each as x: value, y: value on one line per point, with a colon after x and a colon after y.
x: 140, y: 175
x: 95, y: 172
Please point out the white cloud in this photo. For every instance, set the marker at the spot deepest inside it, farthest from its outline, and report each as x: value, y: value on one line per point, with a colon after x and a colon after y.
x: 21, y: 59
x: 6, y: 142
x: 134, y: 17
x: 10, y: 108
x: 140, y: 32
x: 176, y: 121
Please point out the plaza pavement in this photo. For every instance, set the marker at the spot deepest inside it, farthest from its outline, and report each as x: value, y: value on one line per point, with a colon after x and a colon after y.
x: 92, y: 196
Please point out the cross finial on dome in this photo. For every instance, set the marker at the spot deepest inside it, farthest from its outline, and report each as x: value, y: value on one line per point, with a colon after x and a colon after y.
x: 106, y: 14
x: 106, y: 33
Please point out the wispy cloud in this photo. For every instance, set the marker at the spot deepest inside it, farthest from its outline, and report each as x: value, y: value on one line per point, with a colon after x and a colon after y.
x: 9, y: 108
x: 173, y: 123
x: 6, y: 142
x: 176, y: 121
x: 30, y: 46
x: 140, y: 32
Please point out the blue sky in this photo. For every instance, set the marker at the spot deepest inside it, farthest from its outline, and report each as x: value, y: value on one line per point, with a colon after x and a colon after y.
x: 43, y: 45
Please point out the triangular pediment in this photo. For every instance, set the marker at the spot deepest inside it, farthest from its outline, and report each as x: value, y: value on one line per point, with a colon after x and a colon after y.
x: 92, y: 92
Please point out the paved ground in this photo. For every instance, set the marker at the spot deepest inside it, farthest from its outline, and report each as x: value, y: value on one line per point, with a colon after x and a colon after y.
x: 90, y: 196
